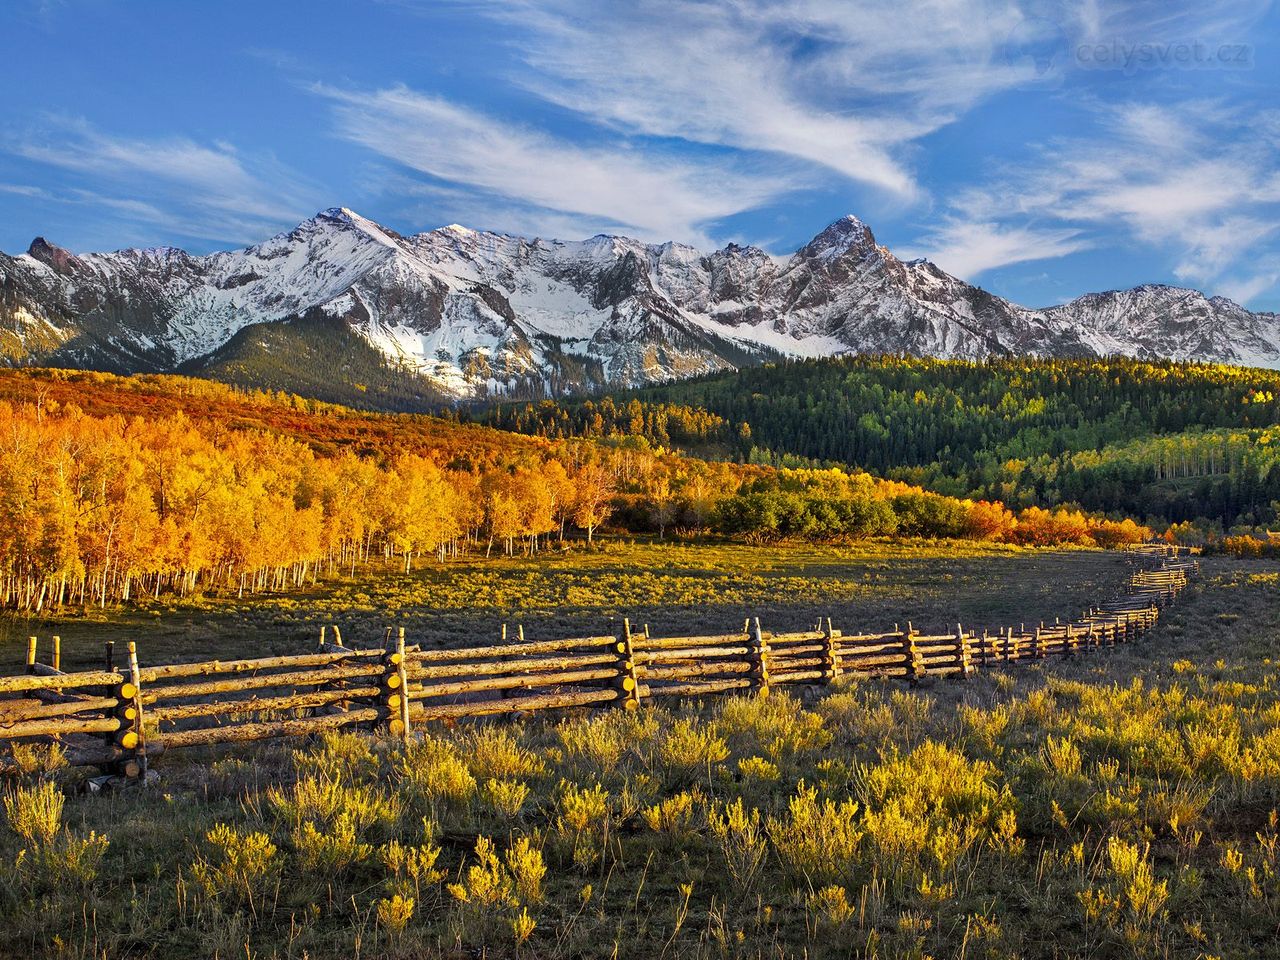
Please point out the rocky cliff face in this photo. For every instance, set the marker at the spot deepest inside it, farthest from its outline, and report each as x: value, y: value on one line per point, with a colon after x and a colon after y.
x: 481, y: 313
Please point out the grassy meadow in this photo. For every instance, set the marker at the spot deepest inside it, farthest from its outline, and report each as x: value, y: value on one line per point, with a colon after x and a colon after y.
x: 583, y: 591
x: 1121, y: 804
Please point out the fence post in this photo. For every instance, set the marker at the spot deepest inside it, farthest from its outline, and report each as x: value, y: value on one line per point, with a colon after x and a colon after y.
x: 131, y: 737
x: 1037, y: 648
x: 395, y: 694
x: 759, y: 654
x: 1069, y: 642
x: 506, y: 693
x: 337, y: 706
x: 627, y: 682
x: 962, y: 652
x: 32, y: 643
x: 830, y: 656
x: 915, y: 662
x: 336, y: 646
x: 403, y: 671
x: 57, y: 652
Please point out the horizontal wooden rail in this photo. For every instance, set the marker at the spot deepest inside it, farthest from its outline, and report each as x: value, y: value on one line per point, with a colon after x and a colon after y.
x: 60, y: 681
x: 509, y: 650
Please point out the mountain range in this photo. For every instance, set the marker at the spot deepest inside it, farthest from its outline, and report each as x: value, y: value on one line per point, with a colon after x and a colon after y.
x: 340, y: 301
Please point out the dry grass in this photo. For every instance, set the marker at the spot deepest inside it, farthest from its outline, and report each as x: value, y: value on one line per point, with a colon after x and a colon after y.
x: 674, y: 587
x: 1121, y: 804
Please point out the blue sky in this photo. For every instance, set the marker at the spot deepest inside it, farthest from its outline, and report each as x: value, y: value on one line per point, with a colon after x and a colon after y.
x: 1041, y: 149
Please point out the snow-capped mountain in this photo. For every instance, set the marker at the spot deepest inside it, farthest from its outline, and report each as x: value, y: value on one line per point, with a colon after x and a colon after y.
x: 481, y: 313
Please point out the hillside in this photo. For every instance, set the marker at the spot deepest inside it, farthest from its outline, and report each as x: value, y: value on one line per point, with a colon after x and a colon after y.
x: 113, y: 487
x: 1169, y: 441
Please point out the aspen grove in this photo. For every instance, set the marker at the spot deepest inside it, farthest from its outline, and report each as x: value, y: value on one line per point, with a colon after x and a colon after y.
x: 99, y: 508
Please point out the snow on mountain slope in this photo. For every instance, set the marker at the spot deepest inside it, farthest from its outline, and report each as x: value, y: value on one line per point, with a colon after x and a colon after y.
x: 483, y: 313
x: 1155, y: 320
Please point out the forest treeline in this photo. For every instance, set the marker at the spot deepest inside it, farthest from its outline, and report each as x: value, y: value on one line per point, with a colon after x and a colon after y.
x: 197, y: 487
x: 1165, y: 441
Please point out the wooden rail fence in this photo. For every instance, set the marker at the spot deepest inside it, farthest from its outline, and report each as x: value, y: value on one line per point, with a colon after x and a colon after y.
x: 119, y: 717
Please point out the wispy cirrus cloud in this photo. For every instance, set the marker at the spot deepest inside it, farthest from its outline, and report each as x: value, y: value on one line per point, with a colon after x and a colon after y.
x: 1197, y: 180
x: 209, y: 191
x: 656, y: 194
x: 700, y: 120
x: 850, y: 90
x: 849, y: 87
x: 844, y: 88
x: 694, y: 111
x: 967, y: 247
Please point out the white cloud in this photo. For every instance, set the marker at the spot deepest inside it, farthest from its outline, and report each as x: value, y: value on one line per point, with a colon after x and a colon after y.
x: 654, y: 194
x: 1195, y: 180
x: 842, y: 86
x: 1264, y: 278
x: 24, y: 190
x: 429, y: 205
x: 208, y: 191
x: 686, y: 112
x: 848, y: 86
x: 966, y: 248
x: 770, y: 94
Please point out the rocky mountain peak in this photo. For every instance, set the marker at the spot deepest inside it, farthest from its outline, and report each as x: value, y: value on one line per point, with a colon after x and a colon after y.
x: 52, y: 255
x: 481, y: 313
x: 344, y: 218
x: 843, y: 235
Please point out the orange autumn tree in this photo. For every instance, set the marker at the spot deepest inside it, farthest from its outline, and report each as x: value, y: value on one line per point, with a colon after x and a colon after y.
x: 181, y: 496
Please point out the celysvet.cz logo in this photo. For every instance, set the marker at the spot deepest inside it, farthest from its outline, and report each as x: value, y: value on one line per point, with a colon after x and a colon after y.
x: 1131, y: 56
x: 1045, y: 47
